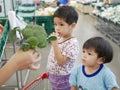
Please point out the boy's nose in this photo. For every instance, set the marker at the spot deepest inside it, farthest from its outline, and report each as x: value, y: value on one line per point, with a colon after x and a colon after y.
x: 84, y: 55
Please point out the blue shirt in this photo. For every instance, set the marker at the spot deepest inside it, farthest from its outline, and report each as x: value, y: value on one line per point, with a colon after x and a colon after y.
x: 103, y: 79
x: 63, y: 1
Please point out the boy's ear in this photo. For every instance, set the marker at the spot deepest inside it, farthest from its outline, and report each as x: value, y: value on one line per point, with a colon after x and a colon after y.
x: 101, y: 60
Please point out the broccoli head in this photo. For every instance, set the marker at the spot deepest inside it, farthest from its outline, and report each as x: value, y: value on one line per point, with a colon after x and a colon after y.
x: 32, y: 36
x: 35, y: 36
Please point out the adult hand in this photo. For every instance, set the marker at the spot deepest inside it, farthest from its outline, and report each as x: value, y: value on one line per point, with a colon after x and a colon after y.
x: 26, y: 59
x: 19, y: 61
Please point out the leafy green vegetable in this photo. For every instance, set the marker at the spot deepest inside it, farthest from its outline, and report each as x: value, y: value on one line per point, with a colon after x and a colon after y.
x: 33, y: 36
x: 12, y: 35
x: 52, y: 38
x: 33, y: 41
x: 25, y: 46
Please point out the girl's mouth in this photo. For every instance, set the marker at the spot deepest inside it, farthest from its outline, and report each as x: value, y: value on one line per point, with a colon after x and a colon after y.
x: 59, y: 34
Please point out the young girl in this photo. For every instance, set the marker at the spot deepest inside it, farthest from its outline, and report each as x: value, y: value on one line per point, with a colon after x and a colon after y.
x: 64, y: 50
x: 93, y: 74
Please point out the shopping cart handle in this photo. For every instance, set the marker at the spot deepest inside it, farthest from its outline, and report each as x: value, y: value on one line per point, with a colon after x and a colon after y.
x: 44, y: 75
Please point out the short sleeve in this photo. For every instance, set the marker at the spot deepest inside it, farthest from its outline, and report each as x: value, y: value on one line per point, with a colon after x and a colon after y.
x: 71, y: 49
x: 110, y: 80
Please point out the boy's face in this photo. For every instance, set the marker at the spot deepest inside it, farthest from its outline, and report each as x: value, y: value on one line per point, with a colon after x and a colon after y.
x: 62, y: 28
x: 90, y: 58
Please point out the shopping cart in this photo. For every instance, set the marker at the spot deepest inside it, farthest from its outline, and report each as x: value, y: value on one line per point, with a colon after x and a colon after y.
x: 40, y: 83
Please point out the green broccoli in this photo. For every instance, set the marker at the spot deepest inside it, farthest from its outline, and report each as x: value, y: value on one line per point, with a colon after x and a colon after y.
x: 25, y: 46
x: 35, y: 36
x: 33, y: 41
x: 32, y: 36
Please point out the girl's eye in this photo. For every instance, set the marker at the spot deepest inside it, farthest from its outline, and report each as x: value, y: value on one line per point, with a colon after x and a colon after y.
x: 61, y: 24
x: 55, y: 24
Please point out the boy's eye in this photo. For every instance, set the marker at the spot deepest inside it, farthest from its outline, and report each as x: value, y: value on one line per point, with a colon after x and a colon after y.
x: 83, y: 51
x: 89, y: 53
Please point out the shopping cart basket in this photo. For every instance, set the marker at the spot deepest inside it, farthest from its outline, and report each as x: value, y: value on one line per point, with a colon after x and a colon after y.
x: 40, y: 83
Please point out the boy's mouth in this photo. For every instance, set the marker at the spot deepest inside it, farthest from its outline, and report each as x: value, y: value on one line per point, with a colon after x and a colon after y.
x: 83, y: 60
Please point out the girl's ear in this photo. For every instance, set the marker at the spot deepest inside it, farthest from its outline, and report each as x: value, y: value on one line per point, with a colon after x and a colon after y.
x: 73, y: 25
x: 101, y: 60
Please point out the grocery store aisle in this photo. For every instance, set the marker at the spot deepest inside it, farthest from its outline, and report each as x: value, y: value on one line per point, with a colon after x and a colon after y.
x: 84, y: 30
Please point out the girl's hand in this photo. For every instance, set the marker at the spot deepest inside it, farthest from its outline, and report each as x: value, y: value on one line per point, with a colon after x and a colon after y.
x: 55, y: 41
x: 54, y: 34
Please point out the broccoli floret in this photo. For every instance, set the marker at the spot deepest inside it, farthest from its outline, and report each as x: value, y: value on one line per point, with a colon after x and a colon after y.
x: 25, y: 46
x: 33, y: 41
x: 43, y: 43
x: 27, y: 33
x: 35, y: 36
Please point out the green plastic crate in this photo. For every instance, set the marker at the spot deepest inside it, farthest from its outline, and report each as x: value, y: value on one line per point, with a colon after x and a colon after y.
x: 28, y: 5
x: 2, y: 21
x: 47, y: 21
x: 28, y: 19
x: 3, y: 38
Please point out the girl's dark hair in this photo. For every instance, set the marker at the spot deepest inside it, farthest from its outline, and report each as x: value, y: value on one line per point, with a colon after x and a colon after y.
x: 101, y: 46
x: 68, y: 13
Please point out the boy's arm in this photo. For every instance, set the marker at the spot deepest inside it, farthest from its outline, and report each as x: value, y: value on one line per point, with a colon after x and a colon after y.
x: 114, y: 88
x: 73, y: 88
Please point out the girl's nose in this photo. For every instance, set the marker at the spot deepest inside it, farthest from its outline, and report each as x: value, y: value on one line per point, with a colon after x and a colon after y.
x: 57, y: 28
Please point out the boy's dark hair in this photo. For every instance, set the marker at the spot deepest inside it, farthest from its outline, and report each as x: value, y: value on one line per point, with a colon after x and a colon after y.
x: 68, y: 13
x: 102, y: 48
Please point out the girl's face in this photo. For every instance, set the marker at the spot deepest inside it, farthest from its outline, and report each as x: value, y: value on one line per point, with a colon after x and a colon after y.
x: 90, y: 58
x: 63, y: 29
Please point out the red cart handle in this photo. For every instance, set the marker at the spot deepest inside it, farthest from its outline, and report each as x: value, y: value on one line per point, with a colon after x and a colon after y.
x: 42, y: 76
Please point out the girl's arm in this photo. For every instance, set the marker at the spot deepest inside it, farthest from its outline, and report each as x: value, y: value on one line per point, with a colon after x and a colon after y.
x: 61, y: 59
